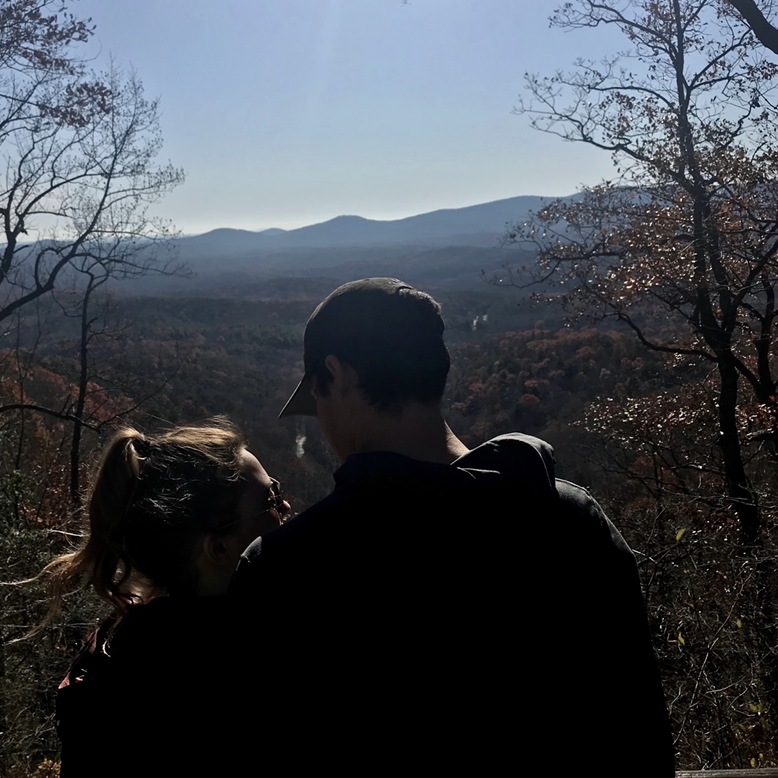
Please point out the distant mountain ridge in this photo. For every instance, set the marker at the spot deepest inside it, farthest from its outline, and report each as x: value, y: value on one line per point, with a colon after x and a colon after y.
x: 482, y: 224
x: 448, y: 247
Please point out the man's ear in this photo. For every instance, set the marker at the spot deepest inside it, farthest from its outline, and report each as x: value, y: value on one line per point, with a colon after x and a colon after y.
x: 343, y: 376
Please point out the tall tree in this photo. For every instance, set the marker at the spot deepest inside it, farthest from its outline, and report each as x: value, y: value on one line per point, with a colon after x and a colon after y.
x: 688, y: 227
x: 78, y: 172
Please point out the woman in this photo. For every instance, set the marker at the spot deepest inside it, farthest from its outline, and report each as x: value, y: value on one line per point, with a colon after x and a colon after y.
x: 169, y: 516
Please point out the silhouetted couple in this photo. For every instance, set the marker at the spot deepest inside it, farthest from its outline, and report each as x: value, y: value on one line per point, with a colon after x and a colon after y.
x: 443, y: 609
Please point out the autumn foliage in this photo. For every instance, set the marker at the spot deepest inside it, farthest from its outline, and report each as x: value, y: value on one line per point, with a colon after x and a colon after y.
x: 666, y: 409
x: 687, y: 230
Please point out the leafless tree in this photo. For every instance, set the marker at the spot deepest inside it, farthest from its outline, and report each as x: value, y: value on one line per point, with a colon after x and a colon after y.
x: 78, y: 156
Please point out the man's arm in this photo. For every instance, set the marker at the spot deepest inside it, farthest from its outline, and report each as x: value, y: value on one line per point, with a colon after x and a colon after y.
x: 619, y: 717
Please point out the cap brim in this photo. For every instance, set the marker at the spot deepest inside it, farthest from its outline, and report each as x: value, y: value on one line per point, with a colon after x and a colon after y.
x: 302, y: 402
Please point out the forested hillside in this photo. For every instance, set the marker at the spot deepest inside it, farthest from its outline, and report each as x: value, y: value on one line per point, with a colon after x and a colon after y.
x: 185, y: 359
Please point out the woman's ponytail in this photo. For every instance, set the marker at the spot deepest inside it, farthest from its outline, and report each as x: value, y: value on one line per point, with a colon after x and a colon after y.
x: 150, y: 500
x: 103, y: 560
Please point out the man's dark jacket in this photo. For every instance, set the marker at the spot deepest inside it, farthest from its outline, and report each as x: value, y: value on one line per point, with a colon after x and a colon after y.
x: 476, y: 616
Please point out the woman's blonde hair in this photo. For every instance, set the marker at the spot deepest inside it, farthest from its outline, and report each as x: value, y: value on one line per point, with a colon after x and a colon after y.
x: 150, y: 500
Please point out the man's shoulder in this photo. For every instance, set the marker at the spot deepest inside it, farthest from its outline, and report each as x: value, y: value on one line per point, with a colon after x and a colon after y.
x: 577, y: 503
x: 584, y: 537
x: 526, y: 465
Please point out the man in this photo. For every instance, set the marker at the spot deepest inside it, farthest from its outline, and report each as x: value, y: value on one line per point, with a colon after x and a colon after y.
x: 442, y: 608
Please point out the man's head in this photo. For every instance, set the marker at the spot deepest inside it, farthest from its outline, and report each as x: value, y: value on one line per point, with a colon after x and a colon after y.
x: 388, y: 333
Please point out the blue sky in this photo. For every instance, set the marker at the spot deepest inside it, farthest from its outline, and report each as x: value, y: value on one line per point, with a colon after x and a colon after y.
x: 290, y: 112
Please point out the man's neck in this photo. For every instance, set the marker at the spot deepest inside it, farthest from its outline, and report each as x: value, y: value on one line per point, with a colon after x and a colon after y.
x: 419, y: 431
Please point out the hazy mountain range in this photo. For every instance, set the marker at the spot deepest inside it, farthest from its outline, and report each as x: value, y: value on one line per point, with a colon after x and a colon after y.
x: 475, y: 225
x: 444, y: 245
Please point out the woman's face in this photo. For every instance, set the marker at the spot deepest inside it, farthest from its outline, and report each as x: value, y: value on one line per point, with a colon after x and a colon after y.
x: 255, y: 515
x: 260, y: 509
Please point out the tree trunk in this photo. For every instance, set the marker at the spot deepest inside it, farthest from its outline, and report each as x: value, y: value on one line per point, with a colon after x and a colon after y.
x: 78, y: 411
x: 738, y: 488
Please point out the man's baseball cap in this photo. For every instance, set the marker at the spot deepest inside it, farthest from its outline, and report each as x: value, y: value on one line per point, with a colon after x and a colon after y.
x: 383, y: 321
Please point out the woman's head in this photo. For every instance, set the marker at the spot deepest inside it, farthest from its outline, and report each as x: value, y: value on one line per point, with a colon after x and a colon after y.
x: 171, y: 513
